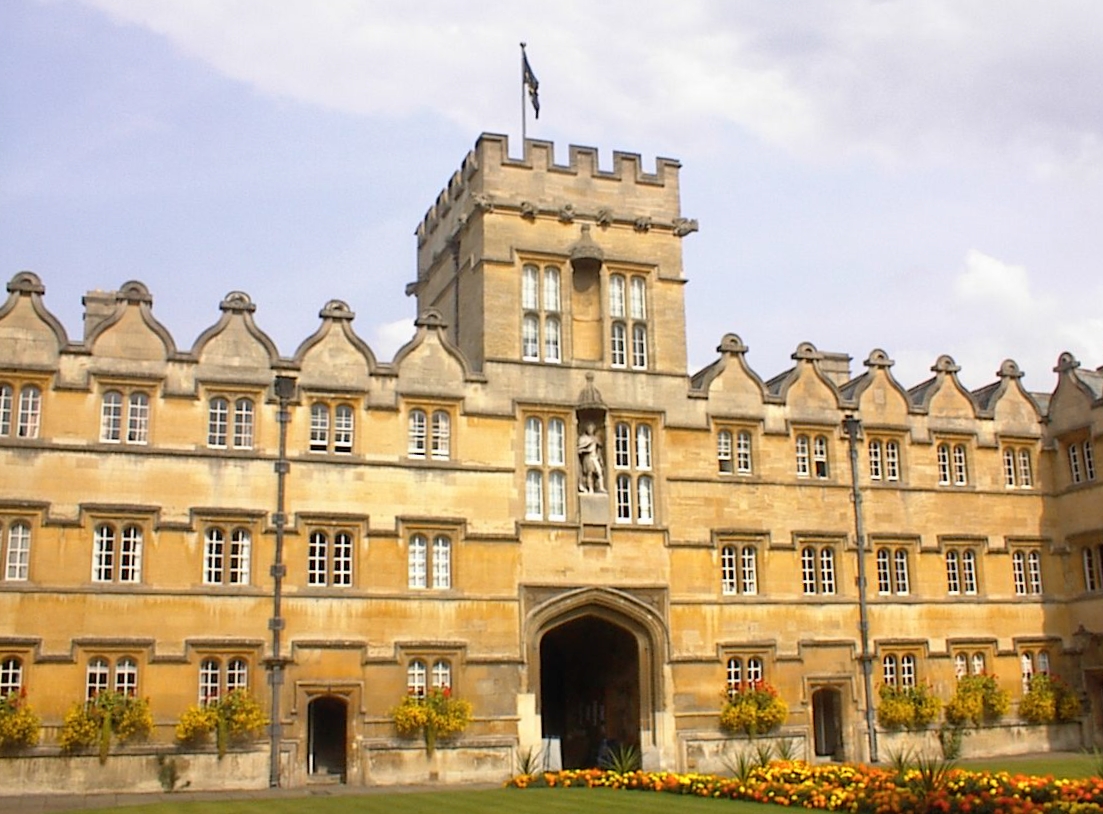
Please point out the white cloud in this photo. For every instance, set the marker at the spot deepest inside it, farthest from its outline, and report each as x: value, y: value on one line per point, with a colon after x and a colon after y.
x: 988, y: 282
x: 387, y: 338
x: 902, y: 81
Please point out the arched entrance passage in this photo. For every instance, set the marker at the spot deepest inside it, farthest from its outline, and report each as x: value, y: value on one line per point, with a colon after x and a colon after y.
x: 827, y: 721
x: 595, y: 661
x: 327, y: 724
x: 590, y: 688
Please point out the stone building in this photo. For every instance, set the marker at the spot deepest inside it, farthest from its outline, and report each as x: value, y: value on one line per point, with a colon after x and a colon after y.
x: 534, y: 503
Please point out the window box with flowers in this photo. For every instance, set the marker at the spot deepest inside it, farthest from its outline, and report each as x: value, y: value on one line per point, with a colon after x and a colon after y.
x: 910, y: 708
x: 20, y: 725
x: 105, y: 716
x: 753, y: 708
x: 434, y: 715
x: 978, y: 700
x: 1049, y: 700
x: 237, y: 717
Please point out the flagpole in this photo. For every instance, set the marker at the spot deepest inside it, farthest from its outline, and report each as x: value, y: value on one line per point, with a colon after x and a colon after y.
x: 524, y: 115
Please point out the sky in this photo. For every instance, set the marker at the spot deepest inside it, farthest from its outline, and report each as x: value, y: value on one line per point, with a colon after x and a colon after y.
x: 921, y: 176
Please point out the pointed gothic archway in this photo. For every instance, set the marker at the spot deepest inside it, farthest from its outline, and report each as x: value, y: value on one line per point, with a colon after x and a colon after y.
x: 596, y: 658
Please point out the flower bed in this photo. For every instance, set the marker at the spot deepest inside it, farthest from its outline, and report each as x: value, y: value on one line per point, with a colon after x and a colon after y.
x: 857, y: 789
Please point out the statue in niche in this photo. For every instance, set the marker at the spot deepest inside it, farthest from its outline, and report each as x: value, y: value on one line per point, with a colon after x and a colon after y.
x: 591, y: 469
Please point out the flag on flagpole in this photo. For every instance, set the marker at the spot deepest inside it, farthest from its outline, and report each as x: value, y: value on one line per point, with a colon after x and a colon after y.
x: 529, y: 80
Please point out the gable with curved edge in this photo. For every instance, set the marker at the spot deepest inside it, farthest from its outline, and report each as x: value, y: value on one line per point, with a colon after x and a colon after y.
x: 28, y: 331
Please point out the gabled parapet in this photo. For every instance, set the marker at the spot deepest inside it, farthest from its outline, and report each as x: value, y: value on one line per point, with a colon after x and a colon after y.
x: 27, y: 328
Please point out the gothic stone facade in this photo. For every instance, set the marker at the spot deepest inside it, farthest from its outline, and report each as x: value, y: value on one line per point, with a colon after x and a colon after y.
x: 439, y: 528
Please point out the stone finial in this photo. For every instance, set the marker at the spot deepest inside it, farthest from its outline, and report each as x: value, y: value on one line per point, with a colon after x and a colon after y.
x: 945, y: 364
x: 135, y: 293
x: 879, y: 359
x: 806, y: 352
x: 1009, y: 369
x: 731, y: 343
x: 336, y: 309
x: 430, y: 318
x: 237, y: 302
x: 1066, y: 362
x: 26, y: 282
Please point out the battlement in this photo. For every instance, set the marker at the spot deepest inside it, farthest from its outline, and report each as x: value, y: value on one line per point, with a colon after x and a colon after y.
x: 488, y: 179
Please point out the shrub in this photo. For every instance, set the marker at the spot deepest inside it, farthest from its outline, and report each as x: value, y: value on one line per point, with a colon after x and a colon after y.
x: 978, y: 700
x: 108, y: 715
x: 1049, y: 699
x: 753, y: 709
x: 20, y: 726
x: 907, y: 707
x: 433, y: 715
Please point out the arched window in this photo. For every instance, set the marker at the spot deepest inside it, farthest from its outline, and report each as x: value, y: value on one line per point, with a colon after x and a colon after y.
x: 126, y: 676
x: 953, y: 573
x: 441, y: 435
x: 978, y: 664
x: 210, y: 685
x: 11, y: 676
x: 943, y: 464
x: 442, y: 675
x: 237, y: 675
x: 884, y: 580
x: 417, y: 434
x: 17, y: 559
x: 819, y: 456
x: 888, y: 670
x: 137, y: 419
x: 618, y: 342
x: 97, y: 677
x: 724, y: 452
x: 418, y: 557
x: 7, y: 393
x: 892, y: 461
x: 344, y: 427
x: 416, y: 678
x: 111, y: 417
x: 961, y: 665
x: 442, y: 562
x: 875, y: 470
x: 961, y: 472
x: 802, y: 456
x: 639, y: 346
x: 734, y: 675
x: 907, y: 670
x: 243, y: 424
x: 744, y: 464
x: 319, y: 427
x: 900, y: 560
x: 30, y: 412
x: 218, y: 420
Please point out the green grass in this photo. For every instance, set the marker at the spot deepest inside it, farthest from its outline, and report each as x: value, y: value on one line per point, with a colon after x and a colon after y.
x: 488, y: 801
x: 1063, y: 764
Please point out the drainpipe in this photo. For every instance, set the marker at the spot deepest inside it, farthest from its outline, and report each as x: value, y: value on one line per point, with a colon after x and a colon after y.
x: 853, y: 428
x: 285, y: 391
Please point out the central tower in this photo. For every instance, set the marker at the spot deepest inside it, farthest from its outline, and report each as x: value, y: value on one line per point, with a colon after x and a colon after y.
x: 529, y: 261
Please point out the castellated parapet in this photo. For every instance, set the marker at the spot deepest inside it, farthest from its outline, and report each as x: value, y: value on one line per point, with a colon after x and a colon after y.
x: 535, y: 186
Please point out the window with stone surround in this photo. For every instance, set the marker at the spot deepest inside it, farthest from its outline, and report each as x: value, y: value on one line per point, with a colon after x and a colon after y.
x: 738, y: 569
x: 20, y: 410
x: 545, y: 450
x: 17, y: 550
x: 124, y: 417
x: 541, y: 314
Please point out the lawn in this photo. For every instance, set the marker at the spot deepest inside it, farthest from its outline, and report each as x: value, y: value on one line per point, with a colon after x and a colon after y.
x: 1062, y: 764
x: 487, y: 801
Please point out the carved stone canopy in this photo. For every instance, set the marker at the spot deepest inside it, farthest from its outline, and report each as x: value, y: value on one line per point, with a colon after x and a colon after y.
x: 586, y: 256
